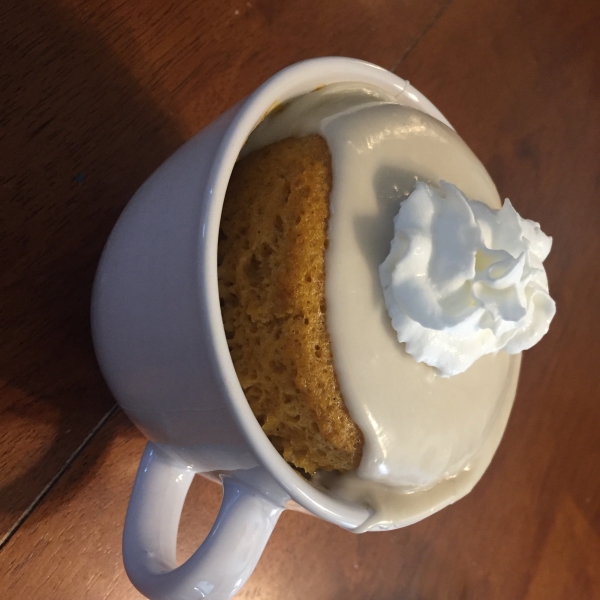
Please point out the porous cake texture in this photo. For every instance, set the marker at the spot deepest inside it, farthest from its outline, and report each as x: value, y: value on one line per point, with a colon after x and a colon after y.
x: 271, y: 264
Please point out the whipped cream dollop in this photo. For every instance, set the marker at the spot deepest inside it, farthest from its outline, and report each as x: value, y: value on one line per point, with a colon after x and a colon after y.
x: 463, y: 280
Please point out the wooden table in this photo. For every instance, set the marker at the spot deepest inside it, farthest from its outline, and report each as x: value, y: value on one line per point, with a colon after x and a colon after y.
x: 95, y: 94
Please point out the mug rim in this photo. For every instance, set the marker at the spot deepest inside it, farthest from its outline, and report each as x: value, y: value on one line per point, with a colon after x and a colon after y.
x: 290, y: 82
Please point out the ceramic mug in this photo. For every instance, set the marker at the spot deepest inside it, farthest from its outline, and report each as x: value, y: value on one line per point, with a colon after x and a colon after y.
x: 161, y: 345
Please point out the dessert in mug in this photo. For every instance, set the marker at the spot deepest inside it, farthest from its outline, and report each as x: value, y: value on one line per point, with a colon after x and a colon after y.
x: 376, y: 296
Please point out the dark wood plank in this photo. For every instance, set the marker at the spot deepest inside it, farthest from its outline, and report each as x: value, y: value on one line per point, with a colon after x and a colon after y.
x: 74, y: 537
x: 70, y: 547
x: 521, y: 83
x: 94, y: 96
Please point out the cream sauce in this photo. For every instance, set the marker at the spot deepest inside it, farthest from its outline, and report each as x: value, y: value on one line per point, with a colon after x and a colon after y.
x: 428, y: 439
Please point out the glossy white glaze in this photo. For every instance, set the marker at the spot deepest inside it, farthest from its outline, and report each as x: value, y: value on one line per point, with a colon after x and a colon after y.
x: 421, y: 431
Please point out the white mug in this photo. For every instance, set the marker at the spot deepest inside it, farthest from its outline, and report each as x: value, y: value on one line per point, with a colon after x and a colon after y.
x: 161, y: 345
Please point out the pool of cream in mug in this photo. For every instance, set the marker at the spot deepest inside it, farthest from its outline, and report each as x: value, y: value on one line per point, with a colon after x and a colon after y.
x: 428, y: 439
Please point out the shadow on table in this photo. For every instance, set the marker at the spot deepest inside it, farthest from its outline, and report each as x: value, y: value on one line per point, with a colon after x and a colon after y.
x: 79, y: 135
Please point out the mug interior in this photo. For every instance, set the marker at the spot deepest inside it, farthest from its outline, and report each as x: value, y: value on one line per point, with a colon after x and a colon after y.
x: 291, y: 82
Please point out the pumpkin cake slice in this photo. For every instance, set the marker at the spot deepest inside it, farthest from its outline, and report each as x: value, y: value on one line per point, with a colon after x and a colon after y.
x: 271, y: 266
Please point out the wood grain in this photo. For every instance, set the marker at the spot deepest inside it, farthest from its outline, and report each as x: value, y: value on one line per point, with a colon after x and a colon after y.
x: 524, y: 92
x: 519, y: 81
x: 95, y: 96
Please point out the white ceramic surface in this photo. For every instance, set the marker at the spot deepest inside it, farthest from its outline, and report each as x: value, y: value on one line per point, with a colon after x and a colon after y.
x: 160, y: 343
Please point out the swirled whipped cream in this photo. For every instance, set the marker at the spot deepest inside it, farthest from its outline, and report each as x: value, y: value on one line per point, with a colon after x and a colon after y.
x: 463, y: 280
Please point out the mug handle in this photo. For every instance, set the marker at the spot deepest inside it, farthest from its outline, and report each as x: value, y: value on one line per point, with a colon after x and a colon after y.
x: 226, y: 558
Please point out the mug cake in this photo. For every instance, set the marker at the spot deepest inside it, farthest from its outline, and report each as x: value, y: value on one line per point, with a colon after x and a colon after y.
x: 376, y: 295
